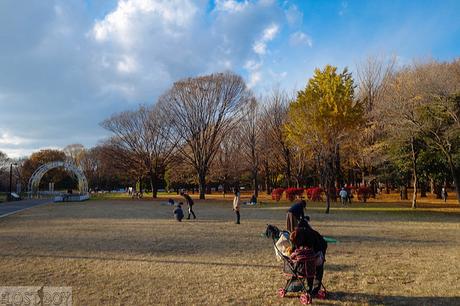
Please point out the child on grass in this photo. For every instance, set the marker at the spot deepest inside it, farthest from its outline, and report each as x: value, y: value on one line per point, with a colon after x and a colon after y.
x: 178, y: 212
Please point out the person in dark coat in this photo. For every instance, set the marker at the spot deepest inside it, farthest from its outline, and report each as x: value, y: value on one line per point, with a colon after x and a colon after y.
x: 190, y: 205
x: 444, y: 194
x: 236, y: 206
x: 178, y: 212
x: 294, y: 214
x: 305, y: 236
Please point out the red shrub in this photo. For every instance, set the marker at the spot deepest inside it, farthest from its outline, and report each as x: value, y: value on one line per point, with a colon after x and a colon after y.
x: 314, y: 193
x: 277, y: 193
x: 292, y: 193
x: 363, y: 193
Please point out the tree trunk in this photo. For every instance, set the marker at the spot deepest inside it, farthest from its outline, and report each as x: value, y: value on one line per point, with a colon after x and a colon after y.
x: 437, y: 191
x: 256, y: 183
x: 422, y: 190
x: 202, y: 184
x: 414, y: 172
x: 372, y: 188
x: 455, y: 175
x: 153, y: 184
x: 267, y: 178
x: 337, y: 166
x: 140, y: 185
x: 288, y: 167
x: 432, y: 186
x: 329, y: 182
x: 404, y: 192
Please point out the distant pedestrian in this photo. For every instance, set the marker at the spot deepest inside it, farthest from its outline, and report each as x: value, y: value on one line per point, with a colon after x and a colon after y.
x: 444, y: 194
x: 350, y: 194
x: 178, y: 212
x: 236, y: 206
x: 294, y: 214
x: 343, y: 196
x: 253, y: 200
x: 170, y: 202
x: 190, y: 205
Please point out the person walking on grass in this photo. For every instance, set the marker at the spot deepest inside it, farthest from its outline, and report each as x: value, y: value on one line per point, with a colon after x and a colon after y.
x: 236, y: 206
x: 444, y: 194
x: 343, y: 196
x: 190, y: 205
x: 294, y: 214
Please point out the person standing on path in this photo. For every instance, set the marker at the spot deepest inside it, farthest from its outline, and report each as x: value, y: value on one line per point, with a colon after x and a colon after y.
x: 236, y: 206
x: 190, y: 205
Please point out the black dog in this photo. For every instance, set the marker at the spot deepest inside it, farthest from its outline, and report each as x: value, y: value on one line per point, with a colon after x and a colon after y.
x: 272, y: 232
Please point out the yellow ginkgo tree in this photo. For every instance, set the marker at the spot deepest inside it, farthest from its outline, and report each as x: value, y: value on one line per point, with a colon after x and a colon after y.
x: 320, y: 119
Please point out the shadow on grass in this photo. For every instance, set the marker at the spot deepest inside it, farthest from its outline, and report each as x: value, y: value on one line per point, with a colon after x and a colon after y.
x: 386, y: 239
x: 329, y: 267
x: 375, y: 299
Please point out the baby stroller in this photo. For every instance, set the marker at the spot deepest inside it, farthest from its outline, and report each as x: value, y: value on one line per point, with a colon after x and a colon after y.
x: 301, y: 270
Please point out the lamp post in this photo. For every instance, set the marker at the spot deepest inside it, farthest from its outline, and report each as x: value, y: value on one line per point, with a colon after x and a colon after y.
x: 11, y: 180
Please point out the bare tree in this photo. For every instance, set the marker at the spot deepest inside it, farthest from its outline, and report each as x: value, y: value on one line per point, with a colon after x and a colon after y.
x: 438, y: 87
x: 4, y: 164
x: 399, y: 110
x: 227, y: 166
x: 4, y: 160
x: 250, y: 136
x: 202, y: 111
x: 274, y: 119
x: 107, y: 168
x: 147, y: 137
x: 373, y: 75
x: 270, y: 168
x: 74, y: 152
x: 421, y: 109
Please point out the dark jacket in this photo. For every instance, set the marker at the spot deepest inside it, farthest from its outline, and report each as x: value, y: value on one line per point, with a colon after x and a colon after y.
x: 188, y: 199
x: 304, y: 235
x: 297, y: 210
x: 178, y: 213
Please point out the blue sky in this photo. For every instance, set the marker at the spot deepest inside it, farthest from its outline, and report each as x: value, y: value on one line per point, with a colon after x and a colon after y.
x: 69, y: 64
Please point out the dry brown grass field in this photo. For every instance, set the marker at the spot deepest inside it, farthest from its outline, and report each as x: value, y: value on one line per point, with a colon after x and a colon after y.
x: 127, y: 252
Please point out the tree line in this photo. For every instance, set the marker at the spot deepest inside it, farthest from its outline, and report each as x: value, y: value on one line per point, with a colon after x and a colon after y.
x: 388, y: 126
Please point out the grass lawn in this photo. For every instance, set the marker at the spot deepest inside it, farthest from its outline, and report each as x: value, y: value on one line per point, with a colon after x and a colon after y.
x: 127, y: 252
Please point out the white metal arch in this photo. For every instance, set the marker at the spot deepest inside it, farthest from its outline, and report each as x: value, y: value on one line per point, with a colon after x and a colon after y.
x: 36, y: 177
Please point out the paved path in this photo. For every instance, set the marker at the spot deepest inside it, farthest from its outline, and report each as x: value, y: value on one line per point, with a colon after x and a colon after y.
x: 9, y: 208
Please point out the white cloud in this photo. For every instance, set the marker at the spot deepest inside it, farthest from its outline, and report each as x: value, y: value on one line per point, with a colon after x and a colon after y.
x: 300, y: 38
x: 254, y: 78
x: 294, y: 16
x: 260, y: 47
x: 269, y: 33
x: 127, y: 65
x: 231, y: 5
x: 126, y: 25
x: 252, y: 65
x: 278, y: 76
x: 63, y: 72
x: 6, y: 138
x: 255, y: 74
